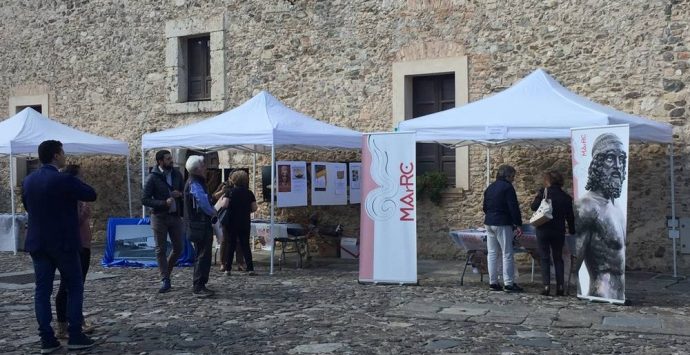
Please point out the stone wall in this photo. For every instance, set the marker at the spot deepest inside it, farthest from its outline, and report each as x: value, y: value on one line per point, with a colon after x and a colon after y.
x: 103, y: 64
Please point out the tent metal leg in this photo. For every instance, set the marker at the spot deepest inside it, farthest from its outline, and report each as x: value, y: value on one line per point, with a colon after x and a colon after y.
x: 14, y: 226
x: 254, y: 171
x: 468, y: 261
x: 129, y: 186
x: 488, y: 165
x: 273, y: 176
x: 143, y: 181
x: 673, y: 208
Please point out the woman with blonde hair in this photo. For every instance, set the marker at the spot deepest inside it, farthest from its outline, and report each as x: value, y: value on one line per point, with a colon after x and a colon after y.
x: 242, y: 204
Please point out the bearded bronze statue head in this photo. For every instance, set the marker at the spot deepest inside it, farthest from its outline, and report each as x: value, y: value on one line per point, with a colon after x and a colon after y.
x: 607, y: 169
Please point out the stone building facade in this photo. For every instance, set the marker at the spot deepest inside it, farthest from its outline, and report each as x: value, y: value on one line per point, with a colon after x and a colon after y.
x: 119, y: 68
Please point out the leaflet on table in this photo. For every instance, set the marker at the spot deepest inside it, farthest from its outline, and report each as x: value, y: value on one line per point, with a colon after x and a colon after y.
x: 292, y: 183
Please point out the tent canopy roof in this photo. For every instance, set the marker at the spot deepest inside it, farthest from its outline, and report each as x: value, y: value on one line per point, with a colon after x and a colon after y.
x: 535, y: 108
x: 259, y: 123
x: 22, y: 133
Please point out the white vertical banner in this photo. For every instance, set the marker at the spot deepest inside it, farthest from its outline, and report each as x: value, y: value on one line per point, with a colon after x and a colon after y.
x: 388, y: 230
x: 292, y: 183
x: 355, y: 182
x: 600, y: 189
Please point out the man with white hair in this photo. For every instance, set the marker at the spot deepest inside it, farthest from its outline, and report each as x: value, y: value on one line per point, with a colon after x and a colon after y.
x: 199, y: 216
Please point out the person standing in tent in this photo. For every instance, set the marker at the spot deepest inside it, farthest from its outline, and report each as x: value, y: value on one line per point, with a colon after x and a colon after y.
x: 163, y: 194
x: 242, y: 205
x: 52, y: 239
x: 85, y: 257
x: 224, y: 191
x: 199, y: 216
x: 502, y: 221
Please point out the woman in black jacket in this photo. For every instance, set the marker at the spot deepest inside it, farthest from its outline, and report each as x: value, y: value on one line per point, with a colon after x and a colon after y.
x: 551, y: 235
x: 242, y: 205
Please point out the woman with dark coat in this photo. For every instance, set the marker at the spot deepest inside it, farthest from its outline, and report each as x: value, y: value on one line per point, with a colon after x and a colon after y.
x: 551, y: 235
x: 242, y: 205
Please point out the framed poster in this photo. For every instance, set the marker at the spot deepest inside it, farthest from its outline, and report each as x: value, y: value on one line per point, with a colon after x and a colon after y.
x: 600, y: 170
x: 292, y: 183
x: 328, y: 183
x: 355, y: 182
x: 130, y: 242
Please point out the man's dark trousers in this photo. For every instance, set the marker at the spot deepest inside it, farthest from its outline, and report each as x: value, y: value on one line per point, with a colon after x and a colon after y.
x: 202, y: 260
x: 69, y: 264
x: 164, y: 224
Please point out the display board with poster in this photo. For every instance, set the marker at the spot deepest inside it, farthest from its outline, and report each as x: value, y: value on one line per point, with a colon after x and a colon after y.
x: 600, y: 170
x: 388, y: 223
x: 328, y: 183
x: 291, y: 177
x: 355, y: 182
x: 130, y: 243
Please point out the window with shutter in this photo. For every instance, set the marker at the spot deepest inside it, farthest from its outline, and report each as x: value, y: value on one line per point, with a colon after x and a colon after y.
x: 199, y: 68
x: 432, y: 94
x: 38, y: 108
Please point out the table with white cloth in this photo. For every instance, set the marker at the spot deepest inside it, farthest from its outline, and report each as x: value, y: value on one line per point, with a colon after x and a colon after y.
x: 260, y: 234
x: 261, y: 230
x: 473, y: 241
x: 9, y: 241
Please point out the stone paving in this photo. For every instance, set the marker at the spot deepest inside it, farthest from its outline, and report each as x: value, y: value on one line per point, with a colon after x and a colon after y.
x: 323, y: 310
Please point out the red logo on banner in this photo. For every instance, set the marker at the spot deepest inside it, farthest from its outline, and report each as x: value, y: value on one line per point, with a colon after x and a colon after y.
x: 583, y: 140
x: 406, y: 181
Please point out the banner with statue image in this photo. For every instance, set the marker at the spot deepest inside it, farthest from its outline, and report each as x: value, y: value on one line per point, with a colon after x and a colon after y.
x: 600, y: 170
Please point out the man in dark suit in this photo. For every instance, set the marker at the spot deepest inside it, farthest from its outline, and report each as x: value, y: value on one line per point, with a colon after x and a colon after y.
x: 52, y: 239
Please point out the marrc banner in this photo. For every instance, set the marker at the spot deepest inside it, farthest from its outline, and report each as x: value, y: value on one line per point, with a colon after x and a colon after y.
x: 600, y: 171
x: 388, y: 231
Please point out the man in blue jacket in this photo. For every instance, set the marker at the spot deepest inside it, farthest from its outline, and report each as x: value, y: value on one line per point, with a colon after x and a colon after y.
x: 52, y: 239
x: 502, y: 221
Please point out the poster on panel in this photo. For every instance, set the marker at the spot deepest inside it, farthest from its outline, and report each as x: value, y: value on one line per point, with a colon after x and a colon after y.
x: 292, y: 183
x: 130, y: 242
x: 328, y: 183
x: 355, y: 182
x: 388, y: 230
x: 600, y: 191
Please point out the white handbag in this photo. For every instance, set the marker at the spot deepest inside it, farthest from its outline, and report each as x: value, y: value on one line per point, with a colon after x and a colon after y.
x: 544, y: 213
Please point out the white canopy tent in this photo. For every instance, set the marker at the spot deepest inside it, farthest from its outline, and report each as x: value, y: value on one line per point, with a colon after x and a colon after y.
x: 537, y: 108
x: 260, y: 124
x: 21, y: 134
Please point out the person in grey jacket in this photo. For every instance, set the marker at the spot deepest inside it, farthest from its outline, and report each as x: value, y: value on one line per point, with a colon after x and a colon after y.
x: 163, y: 194
x: 502, y: 221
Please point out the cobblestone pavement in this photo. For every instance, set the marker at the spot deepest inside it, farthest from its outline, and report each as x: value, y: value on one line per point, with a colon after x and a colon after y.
x: 323, y: 309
